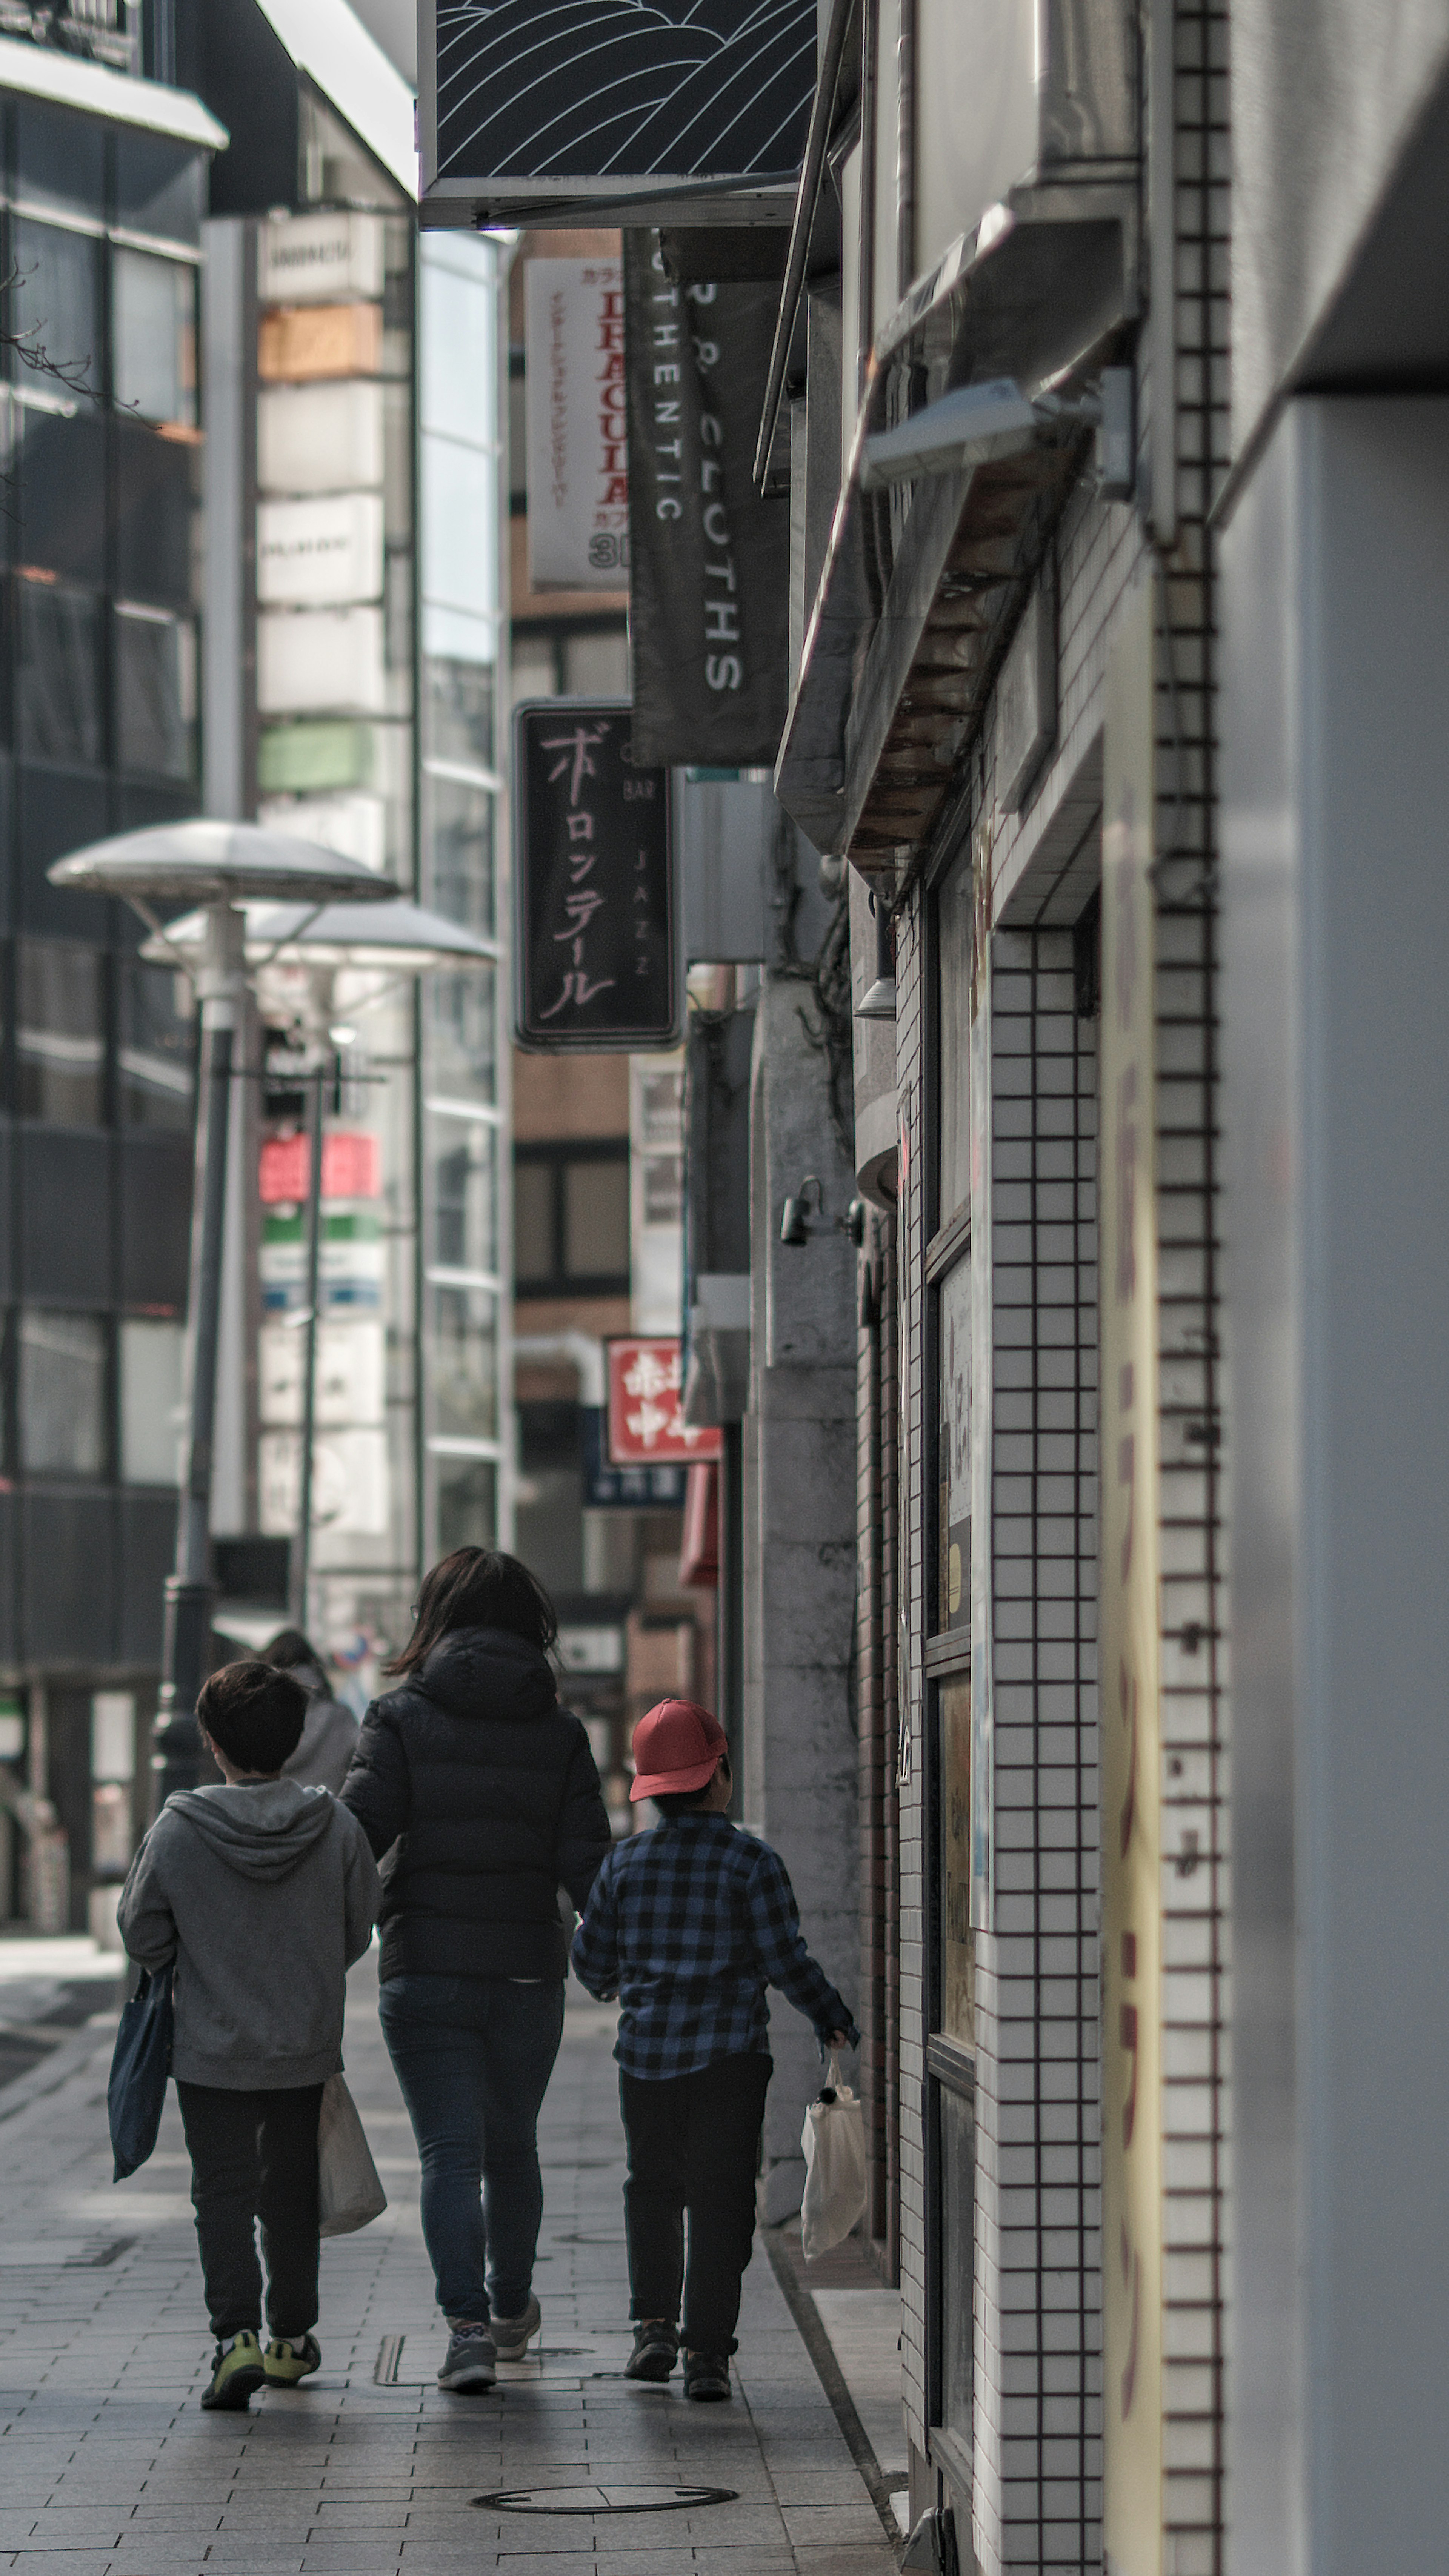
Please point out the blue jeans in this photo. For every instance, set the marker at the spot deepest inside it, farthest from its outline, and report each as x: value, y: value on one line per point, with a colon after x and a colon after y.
x: 473, y: 2058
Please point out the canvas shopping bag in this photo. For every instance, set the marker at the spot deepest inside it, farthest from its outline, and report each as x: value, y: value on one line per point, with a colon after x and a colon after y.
x: 833, y: 2141
x: 349, y: 2192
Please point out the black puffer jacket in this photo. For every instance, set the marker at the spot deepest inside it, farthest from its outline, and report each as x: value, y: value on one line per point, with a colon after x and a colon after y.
x: 483, y: 1794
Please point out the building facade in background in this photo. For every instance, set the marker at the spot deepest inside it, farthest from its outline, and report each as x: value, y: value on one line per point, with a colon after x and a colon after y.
x: 105, y: 189
x: 355, y: 670
x: 597, y: 1140
x: 254, y: 567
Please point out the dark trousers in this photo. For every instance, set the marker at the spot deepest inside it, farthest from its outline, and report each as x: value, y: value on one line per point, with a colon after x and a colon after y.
x: 254, y: 2156
x: 694, y: 2150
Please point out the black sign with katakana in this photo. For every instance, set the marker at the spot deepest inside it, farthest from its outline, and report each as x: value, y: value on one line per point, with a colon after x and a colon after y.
x: 598, y: 961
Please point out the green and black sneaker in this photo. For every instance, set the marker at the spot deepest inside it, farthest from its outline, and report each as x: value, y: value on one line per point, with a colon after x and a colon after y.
x: 237, y: 2372
x: 289, y: 2358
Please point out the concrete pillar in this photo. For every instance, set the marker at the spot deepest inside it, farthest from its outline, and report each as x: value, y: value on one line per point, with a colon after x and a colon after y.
x: 1336, y: 790
x: 800, y: 1767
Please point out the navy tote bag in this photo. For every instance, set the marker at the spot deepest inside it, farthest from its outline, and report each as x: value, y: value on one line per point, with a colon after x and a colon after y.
x: 136, y: 2094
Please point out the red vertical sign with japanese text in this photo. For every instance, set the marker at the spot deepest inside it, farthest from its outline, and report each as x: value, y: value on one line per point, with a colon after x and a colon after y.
x: 1129, y: 1668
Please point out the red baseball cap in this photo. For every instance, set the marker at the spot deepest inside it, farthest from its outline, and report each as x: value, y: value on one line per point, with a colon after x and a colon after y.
x: 677, y: 1747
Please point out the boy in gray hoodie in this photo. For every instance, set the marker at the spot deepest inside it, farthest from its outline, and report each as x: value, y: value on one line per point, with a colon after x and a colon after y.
x: 262, y: 1893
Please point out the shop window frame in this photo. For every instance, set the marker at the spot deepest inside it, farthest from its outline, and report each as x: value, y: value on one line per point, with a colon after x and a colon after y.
x: 556, y: 1155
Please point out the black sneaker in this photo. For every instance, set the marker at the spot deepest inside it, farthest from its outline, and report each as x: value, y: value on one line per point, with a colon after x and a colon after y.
x: 706, y: 2377
x: 656, y: 2350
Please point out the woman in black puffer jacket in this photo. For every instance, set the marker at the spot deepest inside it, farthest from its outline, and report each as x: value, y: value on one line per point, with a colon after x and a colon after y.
x: 482, y: 1793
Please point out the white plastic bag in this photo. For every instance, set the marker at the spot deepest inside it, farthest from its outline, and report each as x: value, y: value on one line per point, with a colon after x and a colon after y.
x: 349, y: 2193
x: 833, y: 2142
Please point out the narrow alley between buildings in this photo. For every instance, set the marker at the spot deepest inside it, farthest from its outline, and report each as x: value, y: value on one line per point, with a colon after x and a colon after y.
x: 108, y: 2467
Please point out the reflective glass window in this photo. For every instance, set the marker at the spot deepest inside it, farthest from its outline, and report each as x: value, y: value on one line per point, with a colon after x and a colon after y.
x: 59, y: 1033
x: 62, y: 1376
x: 155, y: 692
x: 953, y: 1583
x: 158, y: 187
x: 464, y: 1363
x: 535, y: 1255
x: 156, y: 501
x: 458, y: 372
x: 458, y: 708
x: 461, y: 844
x: 464, y: 1226
x: 151, y: 1406
x: 467, y: 1490
x: 958, y: 2256
x: 596, y: 666
x: 596, y: 1219
x: 153, y: 321
x: 462, y: 1024
x: 156, y: 1049
x: 61, y: 505
x: 60, y: 810
x: 59, y: 695
x: 958, y: 1941
x: 460, y: 526
x: 59, y: 159
x: 953, y: 967
x: 56, y: 303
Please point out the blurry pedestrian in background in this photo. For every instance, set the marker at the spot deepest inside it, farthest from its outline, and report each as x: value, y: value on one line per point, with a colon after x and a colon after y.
x: 483, y: 1794
x: 329, y: 1731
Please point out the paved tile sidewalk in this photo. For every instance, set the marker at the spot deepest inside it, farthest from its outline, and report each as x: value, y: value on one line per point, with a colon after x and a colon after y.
x: 108, y: 2467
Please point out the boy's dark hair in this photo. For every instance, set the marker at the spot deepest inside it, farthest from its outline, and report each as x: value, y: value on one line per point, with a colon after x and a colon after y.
x: 687, y: 1802
x: 253, y: 1713
x: 477, y: 1587
x: 288, y: 1649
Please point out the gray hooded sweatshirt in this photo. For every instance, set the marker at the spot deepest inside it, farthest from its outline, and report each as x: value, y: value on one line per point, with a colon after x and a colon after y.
x: 263, y: 1894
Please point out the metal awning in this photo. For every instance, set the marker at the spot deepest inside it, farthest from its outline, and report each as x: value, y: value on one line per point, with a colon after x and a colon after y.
x: 922, y: 581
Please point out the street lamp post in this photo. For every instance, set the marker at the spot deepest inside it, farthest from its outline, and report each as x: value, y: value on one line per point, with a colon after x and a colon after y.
x: 217, y: 866
x: 187, y: 1632
x: 389, y: 940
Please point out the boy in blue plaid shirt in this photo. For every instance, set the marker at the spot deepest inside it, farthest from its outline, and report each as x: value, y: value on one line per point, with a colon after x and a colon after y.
x: 687, y: 1925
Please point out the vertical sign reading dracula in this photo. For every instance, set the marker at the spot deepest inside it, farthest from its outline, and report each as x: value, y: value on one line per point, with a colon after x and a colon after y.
x: 1130, y: 1734
x: 577, y: 437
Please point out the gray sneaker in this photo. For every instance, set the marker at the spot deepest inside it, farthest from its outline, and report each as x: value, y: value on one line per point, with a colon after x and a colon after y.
x: 511, y: 2335
x: 472, y: 2363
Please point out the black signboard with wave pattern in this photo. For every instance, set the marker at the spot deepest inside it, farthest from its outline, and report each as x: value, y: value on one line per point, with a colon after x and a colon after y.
x: 582, y: 93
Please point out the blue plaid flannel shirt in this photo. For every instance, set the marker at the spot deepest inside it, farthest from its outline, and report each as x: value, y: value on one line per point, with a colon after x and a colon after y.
x: 687, y: 1925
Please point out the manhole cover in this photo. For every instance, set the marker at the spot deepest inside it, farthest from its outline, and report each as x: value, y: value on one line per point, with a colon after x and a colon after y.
x: 600, y: 2500
x: 536, y: 2369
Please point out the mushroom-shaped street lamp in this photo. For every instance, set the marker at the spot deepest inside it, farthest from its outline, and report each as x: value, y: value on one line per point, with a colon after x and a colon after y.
x: 218, y: 866
x: 386, y: 939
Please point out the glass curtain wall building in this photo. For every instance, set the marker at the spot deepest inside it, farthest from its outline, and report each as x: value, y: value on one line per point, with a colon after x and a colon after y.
x: 467, y: 1493
x: 367, y: 433
x: 102, y: 440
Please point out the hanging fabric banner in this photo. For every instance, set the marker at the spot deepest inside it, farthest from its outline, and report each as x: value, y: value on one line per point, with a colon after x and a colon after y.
x: 598, y: 949
x: 710, y: 560
x: 576, y: 446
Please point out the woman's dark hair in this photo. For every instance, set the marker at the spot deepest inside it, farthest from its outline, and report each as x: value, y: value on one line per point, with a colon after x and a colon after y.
x: 253, y: 1713
x: 288, y: 1649
x: 477, y: 1587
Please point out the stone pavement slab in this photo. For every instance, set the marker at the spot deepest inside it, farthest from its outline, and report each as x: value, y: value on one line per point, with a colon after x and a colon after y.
x: 109, y: 2468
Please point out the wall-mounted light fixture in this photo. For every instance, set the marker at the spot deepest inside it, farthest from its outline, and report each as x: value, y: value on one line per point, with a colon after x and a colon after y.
x: 793, y: 1226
